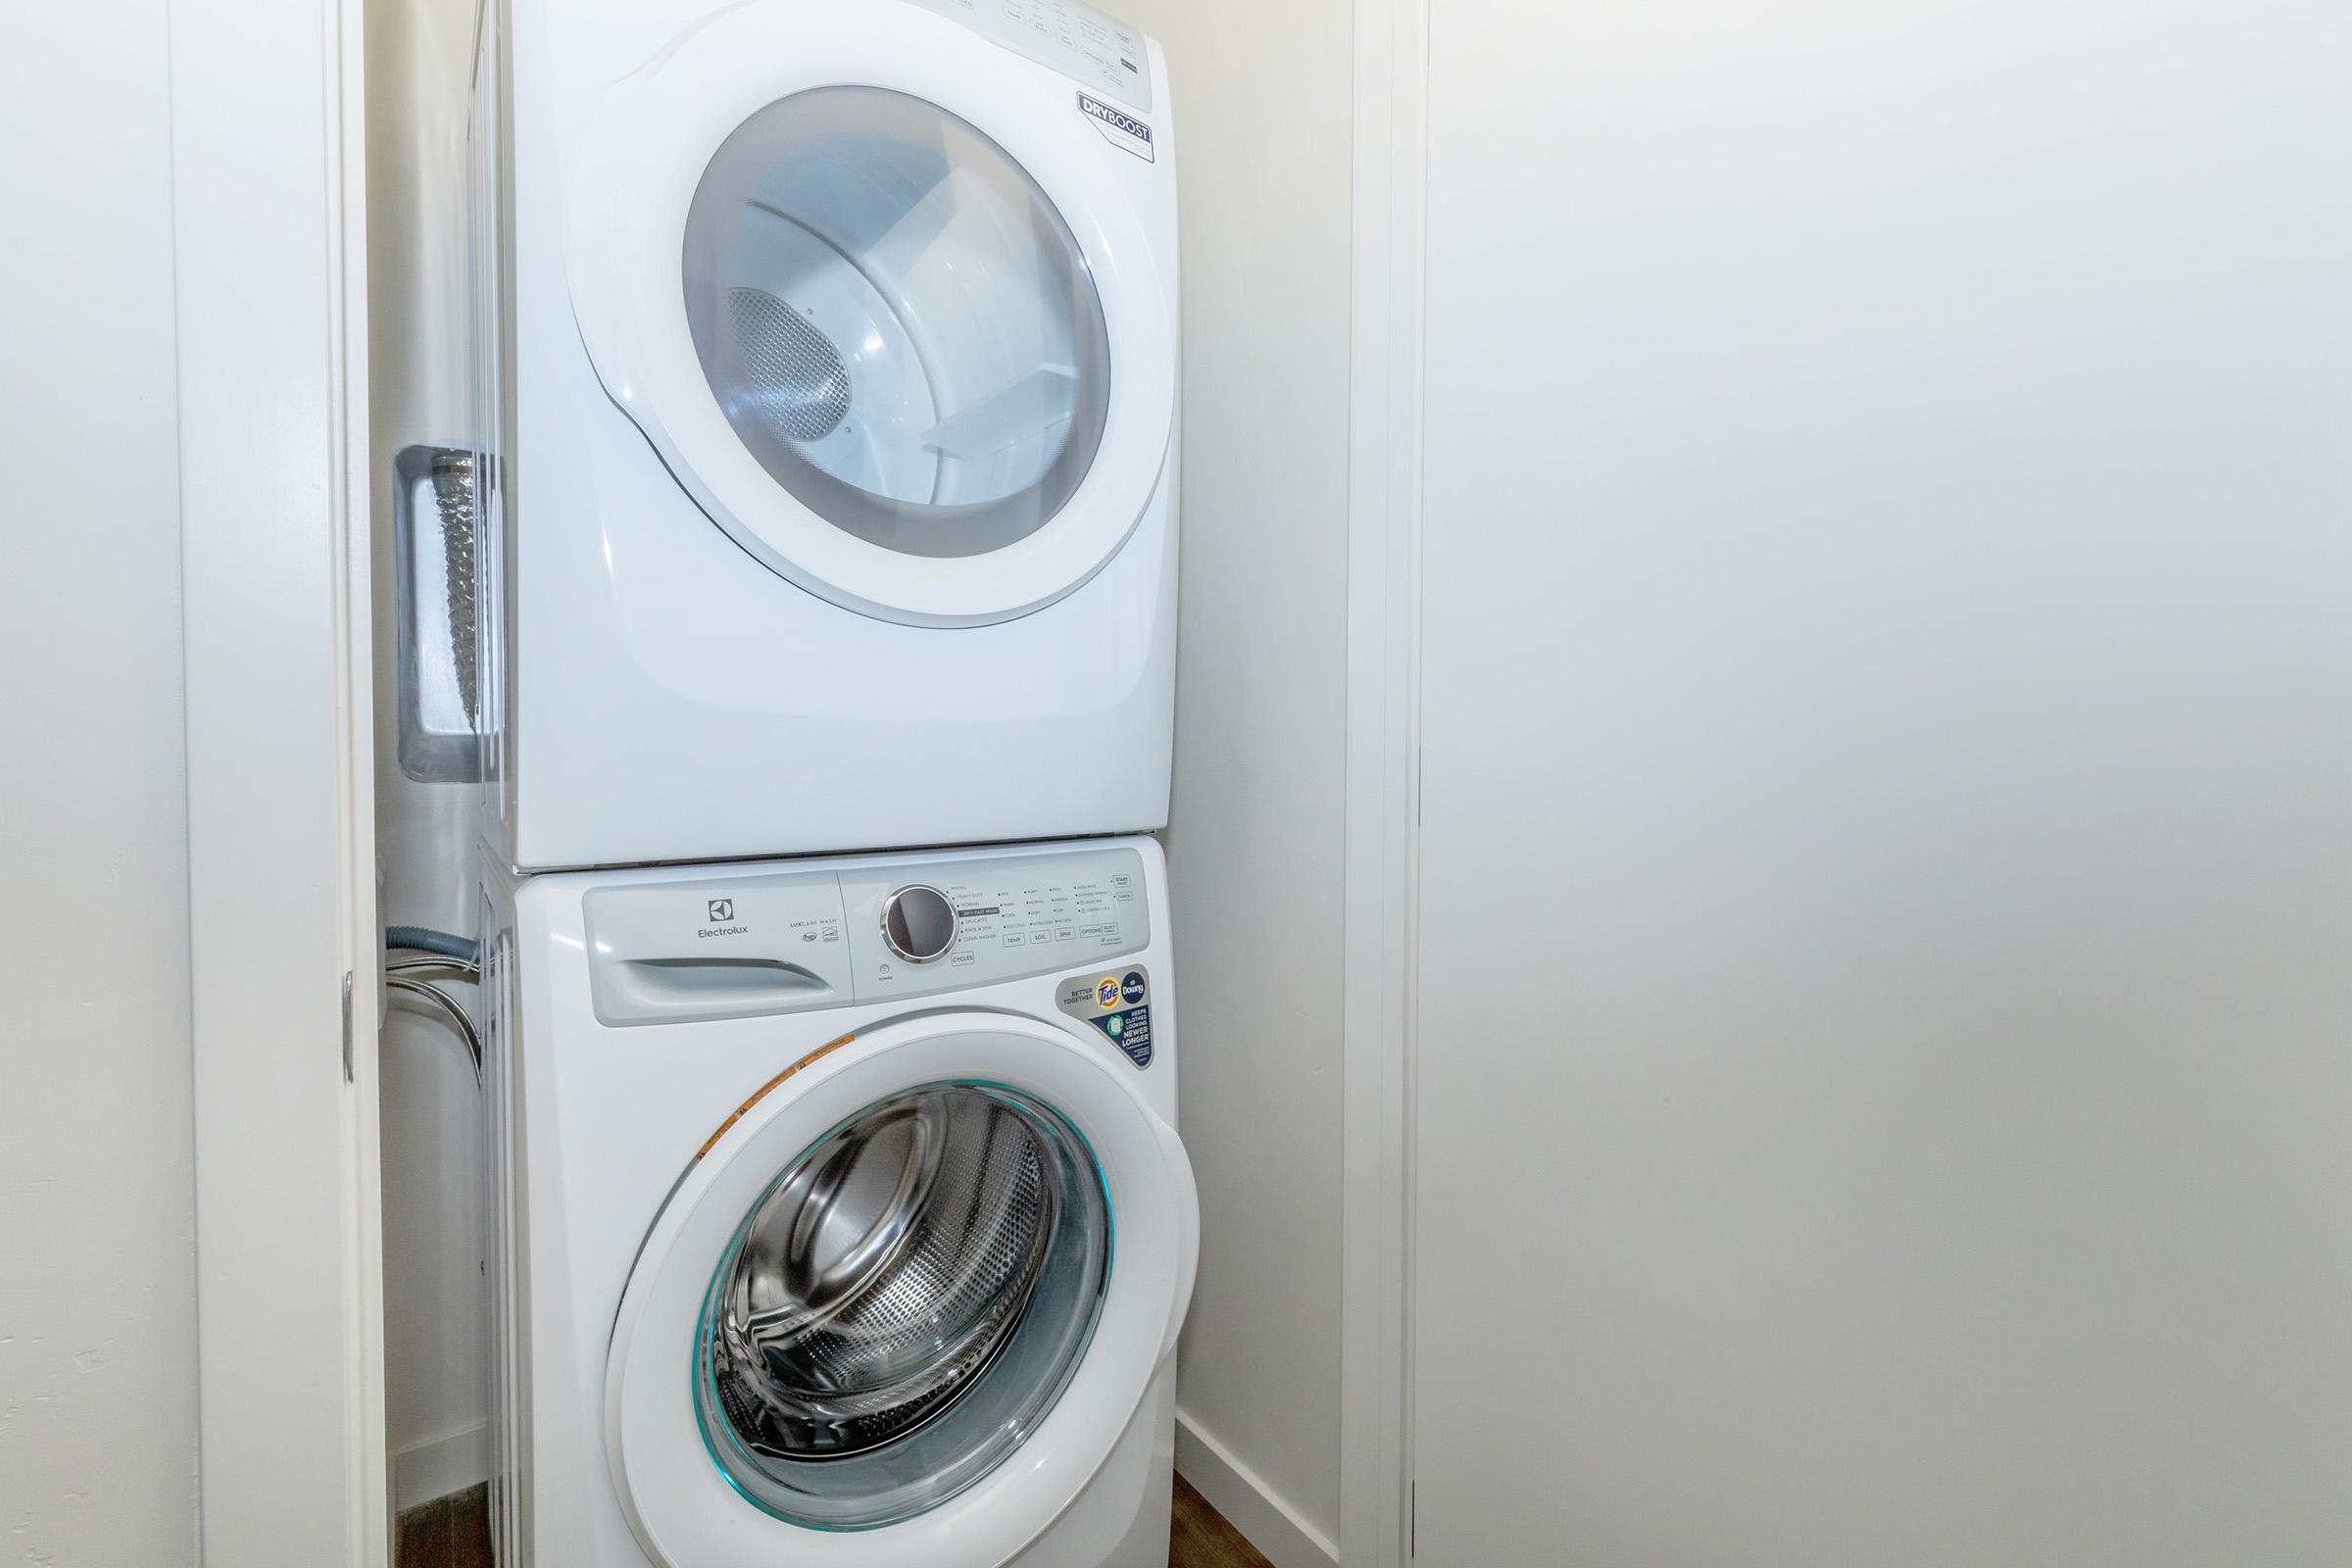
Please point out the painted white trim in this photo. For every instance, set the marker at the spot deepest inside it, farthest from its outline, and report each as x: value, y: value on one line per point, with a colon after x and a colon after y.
x: 1249, y: 1504
x: 454, y: 1461
x: 268, y: 260
x: 371, y: 1523
x: 1384, y: 551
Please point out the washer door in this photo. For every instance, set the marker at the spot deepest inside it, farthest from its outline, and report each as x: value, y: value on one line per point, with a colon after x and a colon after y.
x: 874, y: 290
x: 915, y: 1255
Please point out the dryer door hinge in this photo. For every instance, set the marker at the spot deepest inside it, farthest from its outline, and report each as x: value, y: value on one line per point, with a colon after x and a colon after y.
x: 347, y: 1026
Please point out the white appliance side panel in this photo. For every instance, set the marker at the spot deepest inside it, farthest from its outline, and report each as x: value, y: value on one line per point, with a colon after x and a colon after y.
x: 1091, y: 48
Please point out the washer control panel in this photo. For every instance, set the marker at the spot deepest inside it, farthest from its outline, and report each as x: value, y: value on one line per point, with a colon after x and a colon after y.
x: 739, y: 947
x: 1095, y: 50
x: 1014, y: 915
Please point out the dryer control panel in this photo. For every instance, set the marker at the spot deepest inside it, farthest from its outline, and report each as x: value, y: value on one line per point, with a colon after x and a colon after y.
x: 743, y: 947
x: 1095, y: 50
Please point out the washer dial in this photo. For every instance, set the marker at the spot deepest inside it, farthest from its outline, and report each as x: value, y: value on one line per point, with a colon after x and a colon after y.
x: 919, y: 923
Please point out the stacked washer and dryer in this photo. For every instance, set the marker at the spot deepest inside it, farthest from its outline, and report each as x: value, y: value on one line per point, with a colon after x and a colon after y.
x: 825, y: 370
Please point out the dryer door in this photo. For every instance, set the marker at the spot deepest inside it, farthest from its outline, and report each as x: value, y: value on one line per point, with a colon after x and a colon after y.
x: 918, y: 1253
x: 874, y: 288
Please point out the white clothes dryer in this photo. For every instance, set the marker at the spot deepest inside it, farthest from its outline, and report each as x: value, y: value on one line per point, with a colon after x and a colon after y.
x: 827, y: 425
x: 841, y: 1215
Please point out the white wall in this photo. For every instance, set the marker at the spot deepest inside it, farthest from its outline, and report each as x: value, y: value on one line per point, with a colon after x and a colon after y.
x: 1262, y: 101
x: 420, y: 62
x: 1888, y: 785
x: 97, y: 1263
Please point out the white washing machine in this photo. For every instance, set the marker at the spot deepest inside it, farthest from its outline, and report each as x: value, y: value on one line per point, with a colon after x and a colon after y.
x: 842, y: 1214
x: 826, y: 410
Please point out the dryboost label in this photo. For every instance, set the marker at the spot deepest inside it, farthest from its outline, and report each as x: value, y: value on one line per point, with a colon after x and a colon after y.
x: 1115, y: 1002
x: 1122, y: 131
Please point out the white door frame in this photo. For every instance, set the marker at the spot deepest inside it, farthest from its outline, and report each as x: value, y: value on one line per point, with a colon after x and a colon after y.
x: 270, y: 259
x: 1383, y: 806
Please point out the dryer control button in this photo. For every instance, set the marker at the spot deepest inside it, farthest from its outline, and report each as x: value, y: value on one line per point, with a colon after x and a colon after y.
x: 919, y: 923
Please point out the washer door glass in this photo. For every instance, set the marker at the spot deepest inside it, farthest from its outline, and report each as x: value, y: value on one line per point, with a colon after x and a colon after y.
x: 902, y: 1306
x: 897, y: 321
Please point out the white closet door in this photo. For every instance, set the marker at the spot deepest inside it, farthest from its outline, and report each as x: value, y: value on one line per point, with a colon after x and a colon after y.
x: 270, y: 279
x: 1884, y: 1054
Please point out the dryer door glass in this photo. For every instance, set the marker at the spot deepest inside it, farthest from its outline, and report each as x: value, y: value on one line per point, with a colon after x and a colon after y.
x: 897, y: 321
x: 902, y: 1306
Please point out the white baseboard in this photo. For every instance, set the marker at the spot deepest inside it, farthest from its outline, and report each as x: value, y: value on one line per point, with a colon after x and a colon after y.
x: 438, y: 1466
x: 1236, y: 1491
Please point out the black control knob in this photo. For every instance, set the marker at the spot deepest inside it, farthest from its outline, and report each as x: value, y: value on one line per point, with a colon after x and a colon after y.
x: 919, y: 923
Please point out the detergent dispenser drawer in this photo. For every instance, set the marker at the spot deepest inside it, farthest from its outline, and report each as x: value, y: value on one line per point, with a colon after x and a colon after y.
x: 738, y: 947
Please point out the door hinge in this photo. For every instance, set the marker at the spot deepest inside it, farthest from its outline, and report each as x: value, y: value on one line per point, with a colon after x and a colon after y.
x: 347, y: 1026
x: 1413, y: 1519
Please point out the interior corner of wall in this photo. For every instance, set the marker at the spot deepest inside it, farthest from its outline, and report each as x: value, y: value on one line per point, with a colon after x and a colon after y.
x: 1270, y: 1521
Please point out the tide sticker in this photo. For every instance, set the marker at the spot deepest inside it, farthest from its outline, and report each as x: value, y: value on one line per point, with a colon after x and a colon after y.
x: 1116, y: 1008
x: 1119, y: 128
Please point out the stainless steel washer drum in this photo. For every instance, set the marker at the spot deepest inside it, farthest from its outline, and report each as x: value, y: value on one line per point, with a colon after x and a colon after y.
x: 902, y: 1306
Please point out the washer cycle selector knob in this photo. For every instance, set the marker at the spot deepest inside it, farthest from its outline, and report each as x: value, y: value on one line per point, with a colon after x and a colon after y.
x: 919, y: 923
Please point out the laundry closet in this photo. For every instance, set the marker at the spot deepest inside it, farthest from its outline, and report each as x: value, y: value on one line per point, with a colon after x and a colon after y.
x: 1265, y: 782
x: 1745, y: 759
x: 778, y: 419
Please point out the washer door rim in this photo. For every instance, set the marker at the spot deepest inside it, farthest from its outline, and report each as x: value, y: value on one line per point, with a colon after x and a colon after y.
x: 644, y: 149
x: 683, y: 1510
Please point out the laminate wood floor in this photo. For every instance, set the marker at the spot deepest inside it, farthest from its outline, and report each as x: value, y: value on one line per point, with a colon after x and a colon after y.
x: 1201, y: 1538
x: 450, y: 1532
x: 454, y: 1533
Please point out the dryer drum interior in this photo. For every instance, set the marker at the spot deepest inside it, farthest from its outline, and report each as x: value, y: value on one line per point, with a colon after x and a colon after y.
x: 902, y: 1306
x: 897, y: 321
